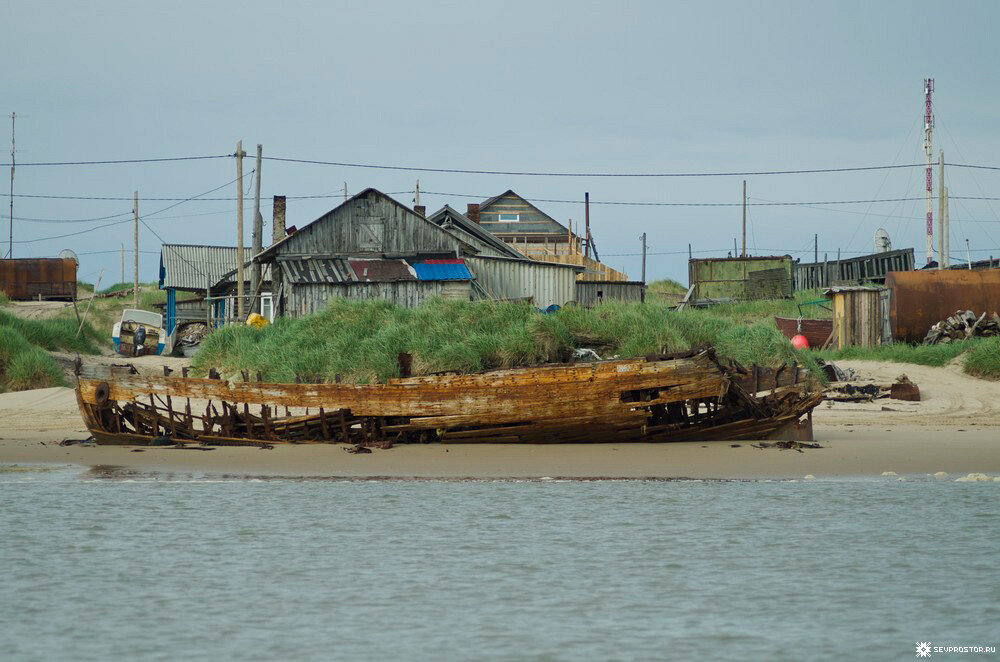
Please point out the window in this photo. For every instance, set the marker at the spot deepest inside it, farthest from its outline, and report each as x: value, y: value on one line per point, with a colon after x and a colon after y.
x: 508, y: 218
x: 267, y: 306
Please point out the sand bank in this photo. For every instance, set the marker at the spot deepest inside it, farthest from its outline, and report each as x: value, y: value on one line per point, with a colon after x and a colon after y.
x: 956, y: 429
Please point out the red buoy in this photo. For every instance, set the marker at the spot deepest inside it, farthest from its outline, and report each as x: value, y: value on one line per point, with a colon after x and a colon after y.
x: 800, y: 342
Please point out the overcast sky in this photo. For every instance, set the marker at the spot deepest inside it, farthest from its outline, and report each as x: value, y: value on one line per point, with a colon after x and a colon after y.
x: 536, y: 86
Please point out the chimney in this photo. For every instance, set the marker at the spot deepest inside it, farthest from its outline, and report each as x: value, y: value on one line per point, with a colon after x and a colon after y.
x: 278, y: 224
x: 420, y: 210
x: 472, y: 212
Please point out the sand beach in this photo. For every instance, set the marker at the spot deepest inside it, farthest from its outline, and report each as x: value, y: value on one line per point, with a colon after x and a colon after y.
x: 954, y: 429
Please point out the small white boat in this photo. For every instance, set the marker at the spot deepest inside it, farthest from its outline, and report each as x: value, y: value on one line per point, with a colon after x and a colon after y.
x: 139, y: 333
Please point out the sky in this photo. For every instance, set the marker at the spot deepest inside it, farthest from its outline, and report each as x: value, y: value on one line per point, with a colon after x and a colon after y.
x: 585, y: 87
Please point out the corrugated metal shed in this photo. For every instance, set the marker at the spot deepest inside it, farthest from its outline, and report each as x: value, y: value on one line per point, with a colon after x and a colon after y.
x: 192, y: 267
x: 442, y: 270
x: 544, y: 283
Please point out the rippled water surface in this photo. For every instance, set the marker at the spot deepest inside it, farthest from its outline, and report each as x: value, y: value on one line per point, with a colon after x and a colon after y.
x: 103, y: 565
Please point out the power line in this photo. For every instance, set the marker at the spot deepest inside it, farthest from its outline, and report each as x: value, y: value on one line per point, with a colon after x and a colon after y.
x: 122, y: 161
x: 590, y: 174
x: 129, y: 220
x: 65, y: 220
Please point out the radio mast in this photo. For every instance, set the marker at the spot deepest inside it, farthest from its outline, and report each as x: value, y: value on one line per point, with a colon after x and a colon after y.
x: 929, y: 153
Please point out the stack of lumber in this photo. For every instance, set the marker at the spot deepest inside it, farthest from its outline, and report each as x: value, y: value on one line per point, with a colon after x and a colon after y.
x: 963, y: 324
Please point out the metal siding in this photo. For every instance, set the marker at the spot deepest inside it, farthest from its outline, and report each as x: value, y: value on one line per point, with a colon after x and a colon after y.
x: 586, y: 291
x: 189, y: 267
x: 544, y: 283
x: 305, y: 299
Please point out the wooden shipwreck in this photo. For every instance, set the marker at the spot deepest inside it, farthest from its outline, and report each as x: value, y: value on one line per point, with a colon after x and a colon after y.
x: 680, y: 397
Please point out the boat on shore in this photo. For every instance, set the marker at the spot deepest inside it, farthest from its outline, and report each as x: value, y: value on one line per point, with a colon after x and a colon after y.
x: 681, y: 397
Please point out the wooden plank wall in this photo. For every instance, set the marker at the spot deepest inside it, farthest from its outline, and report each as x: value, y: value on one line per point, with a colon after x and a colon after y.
x: 352, y: 229
x: 852, y: 271
x: 310, y: 298
x: 857, y: 318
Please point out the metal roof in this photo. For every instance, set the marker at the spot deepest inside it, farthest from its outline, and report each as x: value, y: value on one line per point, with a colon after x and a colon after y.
x: 442, y: 270
x: 318, y: 270
x: 459, y: 220
x: 381, y: 271
x: 193, y: 267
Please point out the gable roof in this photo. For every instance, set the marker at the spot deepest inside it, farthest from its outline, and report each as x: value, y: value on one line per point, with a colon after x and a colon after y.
x: 193, y: 266
x: 521, y: 227
x: 270, y: 250
x: 462, y: 222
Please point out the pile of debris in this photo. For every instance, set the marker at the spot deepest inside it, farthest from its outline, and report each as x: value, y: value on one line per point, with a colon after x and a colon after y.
x: 963, y: 324
x: 191, y: 334
x: 901, y: 389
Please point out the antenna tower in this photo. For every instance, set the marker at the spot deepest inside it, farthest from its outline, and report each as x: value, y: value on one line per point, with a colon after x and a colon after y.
x: 929, y: 153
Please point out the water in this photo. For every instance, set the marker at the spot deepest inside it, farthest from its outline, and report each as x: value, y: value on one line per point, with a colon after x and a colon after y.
x: 100, y: 565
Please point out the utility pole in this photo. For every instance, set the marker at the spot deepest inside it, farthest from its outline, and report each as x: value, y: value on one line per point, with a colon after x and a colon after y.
x: 135, y: 251
x: 744, y: 253
x: 586, y: 211
x: 257, y: 239
x: 123, y: 263
x: 816, y: 248
x: 942, y: 260
x: 239, y: 230
x: 929, y: 153
x: 416, y: 194
x: 10, y: 238
x: 947, y: 229
x: 643, y: 258
x: 345, y: 190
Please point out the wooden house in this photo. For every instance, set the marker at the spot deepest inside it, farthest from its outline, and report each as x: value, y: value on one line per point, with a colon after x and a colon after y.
x: 537, y: 235
x: 373, y: 247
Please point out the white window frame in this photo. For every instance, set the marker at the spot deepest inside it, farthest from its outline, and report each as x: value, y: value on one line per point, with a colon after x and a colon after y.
x: 267, y: 302
x: 501, y: 219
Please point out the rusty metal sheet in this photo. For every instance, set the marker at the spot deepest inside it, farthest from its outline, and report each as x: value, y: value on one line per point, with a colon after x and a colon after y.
x: 34, y: 278
x: 919, y: 299
x: 382, y: 271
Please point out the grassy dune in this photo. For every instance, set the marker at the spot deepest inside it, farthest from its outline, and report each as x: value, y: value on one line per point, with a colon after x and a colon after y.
x: 24, y: 361
x: 360, y: 341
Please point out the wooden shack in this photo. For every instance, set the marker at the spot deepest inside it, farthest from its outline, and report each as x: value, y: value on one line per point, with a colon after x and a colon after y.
x: 860, y: 317
x: 739, y: 278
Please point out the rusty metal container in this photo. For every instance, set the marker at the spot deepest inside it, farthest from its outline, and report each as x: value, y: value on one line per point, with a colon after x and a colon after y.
x: 38, y: 278
x: 919, y: 299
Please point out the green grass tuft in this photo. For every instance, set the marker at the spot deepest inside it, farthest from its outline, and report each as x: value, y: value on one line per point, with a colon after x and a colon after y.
x: 983, y: 359
x: 932, y: 355
x: 24, y: 365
